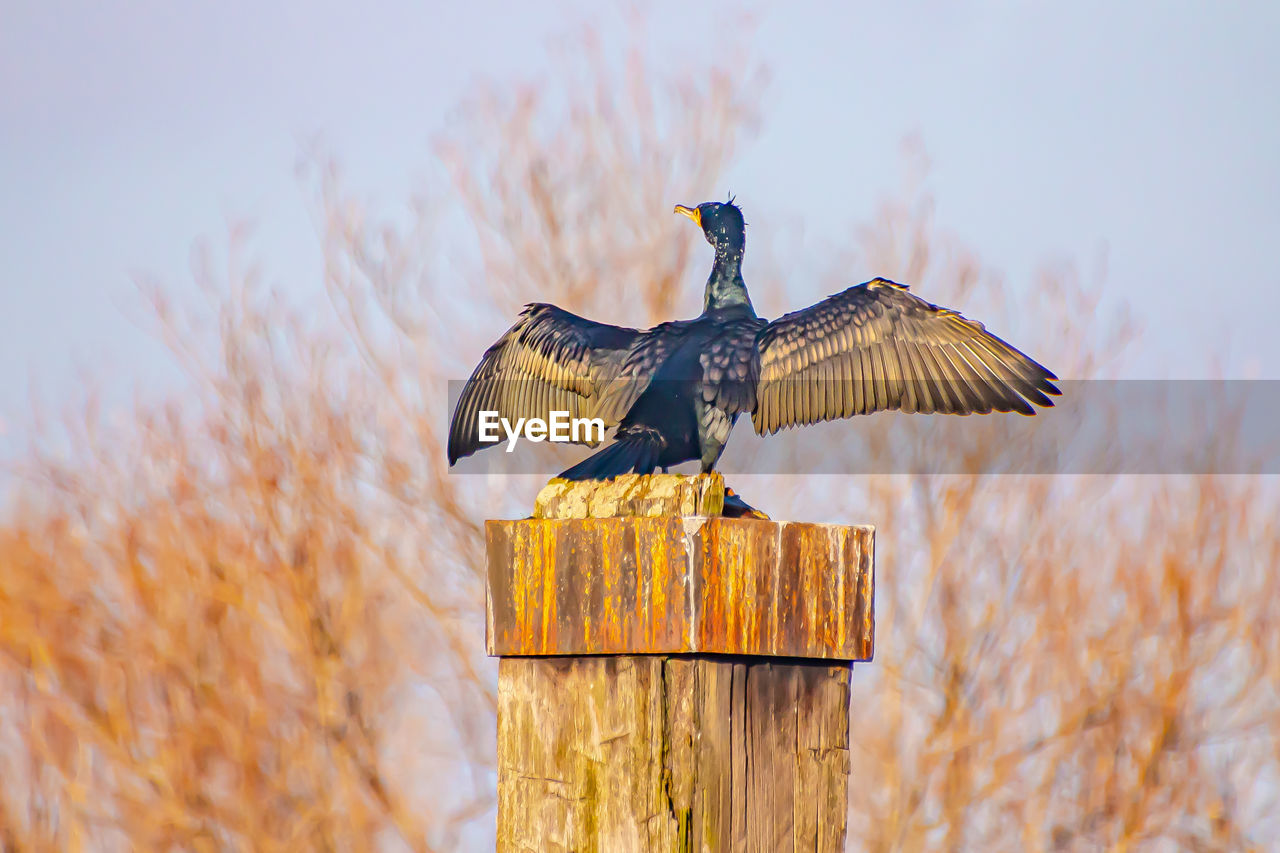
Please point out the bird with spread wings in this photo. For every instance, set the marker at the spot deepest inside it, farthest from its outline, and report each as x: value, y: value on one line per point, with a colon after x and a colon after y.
x: 674, y: 392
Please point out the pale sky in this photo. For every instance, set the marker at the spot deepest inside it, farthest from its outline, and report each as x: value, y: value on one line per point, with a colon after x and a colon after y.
x: 1148, y: 131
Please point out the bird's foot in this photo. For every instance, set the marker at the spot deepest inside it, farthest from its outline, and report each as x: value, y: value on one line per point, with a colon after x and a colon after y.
x: 736, y: 507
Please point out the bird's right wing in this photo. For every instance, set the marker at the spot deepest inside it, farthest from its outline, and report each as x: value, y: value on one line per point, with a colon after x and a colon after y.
x: 550, y: 360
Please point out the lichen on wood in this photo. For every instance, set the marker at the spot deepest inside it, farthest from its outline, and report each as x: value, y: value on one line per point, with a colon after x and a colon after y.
x: 670, y: 585
x: 638, y: 495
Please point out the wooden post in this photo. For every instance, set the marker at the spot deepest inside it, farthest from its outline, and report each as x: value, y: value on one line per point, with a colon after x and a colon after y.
x: 671, y: 679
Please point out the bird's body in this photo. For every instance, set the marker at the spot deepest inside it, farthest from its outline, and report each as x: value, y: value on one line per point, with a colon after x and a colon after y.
x: 675, y: 391
x: 701, y: 377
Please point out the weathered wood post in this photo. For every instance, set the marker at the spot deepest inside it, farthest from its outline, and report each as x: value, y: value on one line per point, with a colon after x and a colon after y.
x: 671, y: 679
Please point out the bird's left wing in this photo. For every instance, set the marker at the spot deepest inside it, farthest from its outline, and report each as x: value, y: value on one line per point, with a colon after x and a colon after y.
x: 550, y: 360
x: 876, y: 347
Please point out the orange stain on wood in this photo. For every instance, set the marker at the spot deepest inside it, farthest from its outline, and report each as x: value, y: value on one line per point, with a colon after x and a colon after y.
x: 633, y: 586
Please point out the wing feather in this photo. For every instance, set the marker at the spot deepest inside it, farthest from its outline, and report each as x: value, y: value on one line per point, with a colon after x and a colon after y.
x: 876, y: 346
x: 844, y: 391
x: 550, y: 360
x: 914, y: 394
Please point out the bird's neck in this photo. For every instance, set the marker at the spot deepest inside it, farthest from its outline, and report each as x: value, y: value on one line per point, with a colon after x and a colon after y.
x: 725, y: 287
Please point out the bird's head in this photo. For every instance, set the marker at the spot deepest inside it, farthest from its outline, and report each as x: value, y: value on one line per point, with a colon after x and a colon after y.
x: 722, y: 223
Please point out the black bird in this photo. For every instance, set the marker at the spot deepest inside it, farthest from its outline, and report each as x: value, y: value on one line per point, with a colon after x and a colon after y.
x: 675, y: 391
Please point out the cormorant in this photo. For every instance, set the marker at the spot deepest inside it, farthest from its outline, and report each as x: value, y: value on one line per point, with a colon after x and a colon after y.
x: 675, y: 391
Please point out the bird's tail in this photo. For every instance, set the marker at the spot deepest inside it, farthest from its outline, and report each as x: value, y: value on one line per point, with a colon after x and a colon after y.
x: 633, y: 451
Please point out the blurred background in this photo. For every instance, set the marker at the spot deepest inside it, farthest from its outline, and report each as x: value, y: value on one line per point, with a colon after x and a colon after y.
x: 246, y: 247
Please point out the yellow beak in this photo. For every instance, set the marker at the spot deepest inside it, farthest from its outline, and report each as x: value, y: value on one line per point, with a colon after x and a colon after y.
x: 691, y: 212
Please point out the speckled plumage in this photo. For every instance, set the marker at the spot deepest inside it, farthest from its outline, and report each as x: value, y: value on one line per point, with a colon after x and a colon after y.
x: 675, y: 391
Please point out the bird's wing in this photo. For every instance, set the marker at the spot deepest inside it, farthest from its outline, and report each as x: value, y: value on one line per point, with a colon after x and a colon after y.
x: 875, y: 347
x: 550, y: 360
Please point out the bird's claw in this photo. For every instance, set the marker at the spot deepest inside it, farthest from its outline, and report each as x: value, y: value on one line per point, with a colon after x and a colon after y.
x: 736, y: 507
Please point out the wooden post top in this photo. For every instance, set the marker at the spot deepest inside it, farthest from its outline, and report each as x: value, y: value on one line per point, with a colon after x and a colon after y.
x: 647, y: 565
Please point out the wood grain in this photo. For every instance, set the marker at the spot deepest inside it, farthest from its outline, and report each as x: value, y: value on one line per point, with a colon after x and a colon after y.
x: 639, y: 753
